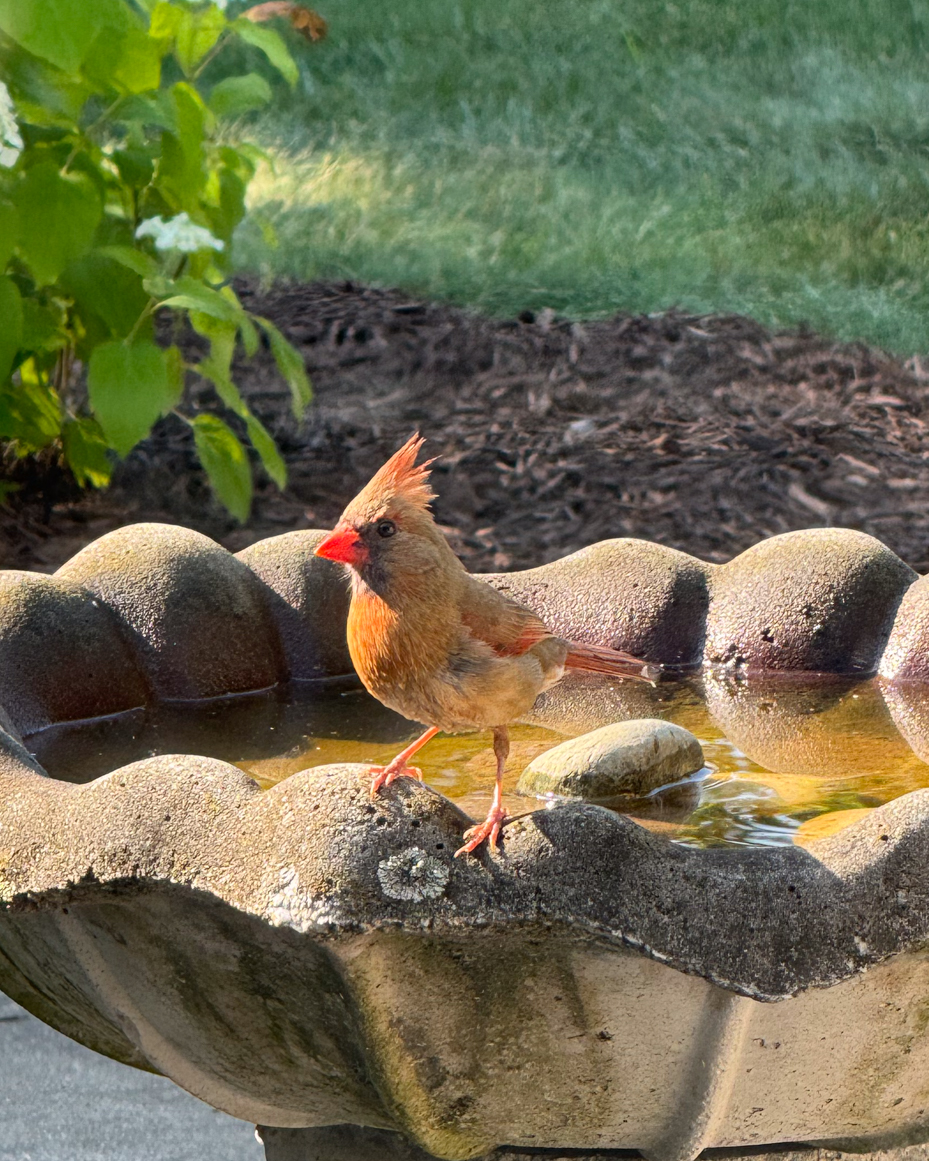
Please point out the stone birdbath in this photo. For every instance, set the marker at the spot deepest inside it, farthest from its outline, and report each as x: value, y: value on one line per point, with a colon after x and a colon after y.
x: 318, y: 963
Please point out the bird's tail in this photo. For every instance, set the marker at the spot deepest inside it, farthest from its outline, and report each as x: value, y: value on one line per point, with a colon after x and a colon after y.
x: 612, y: 662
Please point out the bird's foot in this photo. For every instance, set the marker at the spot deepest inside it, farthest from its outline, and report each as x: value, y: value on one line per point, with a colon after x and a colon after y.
x: 486, y: 831
x: 384, y: 775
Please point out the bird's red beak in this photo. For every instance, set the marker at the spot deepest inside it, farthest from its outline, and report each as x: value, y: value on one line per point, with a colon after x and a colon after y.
x: 344, y: 545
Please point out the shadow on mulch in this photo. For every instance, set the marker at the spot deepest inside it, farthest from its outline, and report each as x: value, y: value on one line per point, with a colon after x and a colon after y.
x: 703, y: 433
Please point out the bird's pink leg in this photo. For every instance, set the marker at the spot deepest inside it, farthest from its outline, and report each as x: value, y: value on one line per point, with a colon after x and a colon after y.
x: 398, y: 768
x: 489, y: 829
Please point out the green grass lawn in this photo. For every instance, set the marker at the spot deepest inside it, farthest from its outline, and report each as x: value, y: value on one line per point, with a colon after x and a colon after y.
x: 595, y: 155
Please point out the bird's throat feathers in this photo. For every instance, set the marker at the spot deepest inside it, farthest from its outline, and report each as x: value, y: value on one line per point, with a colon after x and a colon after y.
x: 396, y: 634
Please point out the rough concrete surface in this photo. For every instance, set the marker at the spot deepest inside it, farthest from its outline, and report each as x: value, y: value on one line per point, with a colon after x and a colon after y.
x: 906, y: 657
x: 194, y: 616
x: 353, y: 1143
x: 153, y: 613
x: 629, y: 594
x: 821, y: 600
x: 62, y: 657
x: 308, y: 598
x: 306, y: 956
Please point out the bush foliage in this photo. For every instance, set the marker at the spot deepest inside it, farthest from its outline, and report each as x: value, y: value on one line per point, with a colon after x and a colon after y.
x: 119, y: 197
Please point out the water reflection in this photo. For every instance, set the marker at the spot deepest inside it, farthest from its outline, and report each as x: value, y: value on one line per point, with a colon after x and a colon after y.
x: 250, y: 730
x: 781, y: 753
x: 909, y: 707
x: 581, y: 702
x: 798, y: 729
x: 814, y: 746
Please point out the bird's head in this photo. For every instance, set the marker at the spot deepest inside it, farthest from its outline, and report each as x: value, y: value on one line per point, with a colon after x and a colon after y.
x: 388, y: 529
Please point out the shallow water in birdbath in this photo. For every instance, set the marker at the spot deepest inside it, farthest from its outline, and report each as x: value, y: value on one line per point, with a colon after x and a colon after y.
x: 787, y: 760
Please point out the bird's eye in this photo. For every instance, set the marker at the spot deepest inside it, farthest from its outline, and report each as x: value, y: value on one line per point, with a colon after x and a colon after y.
x: 386, y: 528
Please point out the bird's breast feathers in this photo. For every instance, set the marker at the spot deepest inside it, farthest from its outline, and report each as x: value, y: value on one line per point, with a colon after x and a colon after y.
x: 432, y: 667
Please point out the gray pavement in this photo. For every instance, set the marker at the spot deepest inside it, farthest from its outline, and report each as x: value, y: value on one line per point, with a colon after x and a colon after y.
x: 61, y: 1102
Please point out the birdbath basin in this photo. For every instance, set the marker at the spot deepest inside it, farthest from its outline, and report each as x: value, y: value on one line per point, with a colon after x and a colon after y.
x: 195, y: 880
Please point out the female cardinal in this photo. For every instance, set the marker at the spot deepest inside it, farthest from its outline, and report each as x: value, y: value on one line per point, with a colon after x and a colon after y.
x: 435, y: 643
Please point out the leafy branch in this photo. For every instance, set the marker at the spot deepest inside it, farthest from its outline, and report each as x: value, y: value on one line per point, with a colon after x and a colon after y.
x: 119, y: 198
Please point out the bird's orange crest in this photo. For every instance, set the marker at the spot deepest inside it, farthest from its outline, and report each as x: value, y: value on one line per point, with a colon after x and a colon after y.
x: 401, y: 478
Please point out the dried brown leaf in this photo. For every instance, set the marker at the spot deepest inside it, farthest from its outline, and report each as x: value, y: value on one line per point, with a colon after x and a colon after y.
x: 307, y: 22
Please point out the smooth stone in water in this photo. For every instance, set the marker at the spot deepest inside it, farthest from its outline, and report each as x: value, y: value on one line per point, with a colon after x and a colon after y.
x: 625, y: 758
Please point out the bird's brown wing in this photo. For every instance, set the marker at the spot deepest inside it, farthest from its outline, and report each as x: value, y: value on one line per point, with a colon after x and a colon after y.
x: 508, y: 627
x: 511, y: 630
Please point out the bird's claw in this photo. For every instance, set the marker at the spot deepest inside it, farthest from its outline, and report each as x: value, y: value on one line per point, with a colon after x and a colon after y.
x: 384, y: 775
x: 488, y: 830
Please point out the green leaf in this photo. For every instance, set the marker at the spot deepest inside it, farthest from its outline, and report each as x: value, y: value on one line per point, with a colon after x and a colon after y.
x: 11, y: 324
x: 267, y: 449
x: 44, y: 326
x: 177, y: 375
x: 291, y: 366
x: 61, y: 31
x: 181, y: 170
x: 217, y: 366
x: 249, y: 336
x: 225, y: 198
x: 238, y: 161
x: 86, y: 452
x: 129, y: 62
x: 30, y: 411
x: 9, y: 232
x: 191, y: 294
x: 212, y: 368
x: 158, y: 111
x: 138, y: 67
x: 44, y: 95
x: 129, y: 387
x: 136, y: 166
x: 226, y: 463
x: 271, y: 44
x: 159, y: 285
x: 197, y: 36
x: 220, y: 333
x: 192, y: 33
x: 236, y: 95
x: 166, y: 19
x: 143, y: 264
x: 103, y: 286
x: 57, y: 219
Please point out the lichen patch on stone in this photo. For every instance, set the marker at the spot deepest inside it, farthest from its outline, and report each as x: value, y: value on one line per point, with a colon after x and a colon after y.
x: 413, y: 876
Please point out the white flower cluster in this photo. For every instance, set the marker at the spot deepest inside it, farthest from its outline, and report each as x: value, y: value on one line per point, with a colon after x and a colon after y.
x: 11, y: 141
x: 221, y: 4
x: 178, y: 233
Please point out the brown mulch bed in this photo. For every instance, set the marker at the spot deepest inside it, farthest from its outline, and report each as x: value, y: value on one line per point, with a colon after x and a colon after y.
x: 704, y: 433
